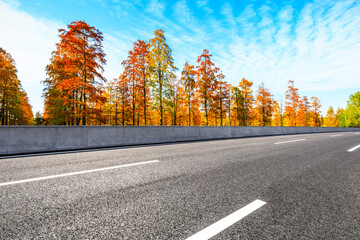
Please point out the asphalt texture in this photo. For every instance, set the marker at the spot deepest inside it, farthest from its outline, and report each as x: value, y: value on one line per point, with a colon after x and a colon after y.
x: 311, y: 187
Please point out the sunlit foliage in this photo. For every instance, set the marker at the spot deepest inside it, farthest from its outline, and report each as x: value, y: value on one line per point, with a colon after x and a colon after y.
x: 15, y: 108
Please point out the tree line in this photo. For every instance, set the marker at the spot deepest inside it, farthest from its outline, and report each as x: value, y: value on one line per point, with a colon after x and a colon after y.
x: 149, y: 92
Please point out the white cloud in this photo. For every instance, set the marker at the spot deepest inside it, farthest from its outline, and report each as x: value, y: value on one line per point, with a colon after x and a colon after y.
x: 227, y: 11
x: 156, y: 7
x: 182, y: 12
x: 318, y: 48
x: 203, y: 4
x: 12, y: 3
x: 30, y: 41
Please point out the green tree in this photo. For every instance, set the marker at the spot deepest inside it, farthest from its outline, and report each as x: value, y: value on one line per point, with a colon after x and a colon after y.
x: 350, y: 117
x: 38, y: 119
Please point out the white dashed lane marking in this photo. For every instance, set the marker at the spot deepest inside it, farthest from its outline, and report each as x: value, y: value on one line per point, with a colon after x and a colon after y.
x: 226, y: 222
x: 76, y: 173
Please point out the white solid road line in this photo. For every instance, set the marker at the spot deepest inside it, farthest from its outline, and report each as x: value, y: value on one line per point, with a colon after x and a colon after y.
x: 296, y: 140
x: 77, y: 173
x: 336, y: 135
x: 354, y: 148
x: 357, y: 133
x: 226, y: 222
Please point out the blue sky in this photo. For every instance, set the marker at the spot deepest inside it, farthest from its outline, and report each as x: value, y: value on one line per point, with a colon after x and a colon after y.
x: 315, y: 43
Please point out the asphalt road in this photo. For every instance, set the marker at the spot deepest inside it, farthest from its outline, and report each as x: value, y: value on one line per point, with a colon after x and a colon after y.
x: 309, y: 189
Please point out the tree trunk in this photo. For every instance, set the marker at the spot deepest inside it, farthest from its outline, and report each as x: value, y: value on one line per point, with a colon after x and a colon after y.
x: 189, y: 112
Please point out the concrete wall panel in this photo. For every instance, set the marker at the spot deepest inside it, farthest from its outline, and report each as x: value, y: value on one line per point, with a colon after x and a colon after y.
x: 105, y: 136
x: 26, y: 139
x: 69, y: 138
x: 29, y: 139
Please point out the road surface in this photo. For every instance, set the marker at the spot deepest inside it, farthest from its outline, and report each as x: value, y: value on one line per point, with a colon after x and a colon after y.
x: 281, y: 187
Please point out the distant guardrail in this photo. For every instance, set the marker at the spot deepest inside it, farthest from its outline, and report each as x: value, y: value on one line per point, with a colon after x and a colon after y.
x: 36, y: 139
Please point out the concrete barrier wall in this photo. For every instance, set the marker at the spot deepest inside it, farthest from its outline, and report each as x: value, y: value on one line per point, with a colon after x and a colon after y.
x: 32, y: 139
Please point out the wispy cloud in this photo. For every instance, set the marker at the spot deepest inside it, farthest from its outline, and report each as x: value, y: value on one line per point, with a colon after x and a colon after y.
x: 12, y: 3
x: 227, y: 11
x: 182, y: 12
x: 30, y: 41
x: 203, y: 4
x: 318, y: 50
x: 156, y: 7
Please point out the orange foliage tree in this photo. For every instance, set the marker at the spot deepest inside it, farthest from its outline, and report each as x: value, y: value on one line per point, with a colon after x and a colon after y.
x: 15, y: 108
x: 303, y: 112
x: 237, y: 105
x: 207, y: 74
x: 112, y: 106
x: 315, y: 112
x: 246, y: 91
x: 263, y: 106
x: 276, y: 114
x: 124, y: 99
x: 221, y: 96
x: 73, y: 90
x: 137, y: 73
x: 174, y: 106
x: 291, y: 104
x: 331, y: 120
x: 142, y: 55
x: 26, y: 114
x: 131, y: 75
x: 189, y: 84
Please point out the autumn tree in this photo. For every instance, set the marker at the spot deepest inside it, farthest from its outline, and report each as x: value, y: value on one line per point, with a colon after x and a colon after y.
x: 331, y: 120
x: 130, y: 75
x: 291, y: 103
x: 237, y: 104
x: 9, y: 88
x: 276, y: 114
x: 122, y: 86
x: 112, y: 105
x: 14, y: 103
x: 137, y: 73
x: 162, y: 69
x: 173, y: 102
x: 303, y: 112
x: 315, y: 112
x: 26, y: 115
x: 189, y: 84
x: 207, y: 74
x: 263, y: 106
x: 246, y: 91
x: 142, y: 56
x: 73, y: 89
x: 242, y: 102
x: 229, y: 106
x: 220, y: 99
